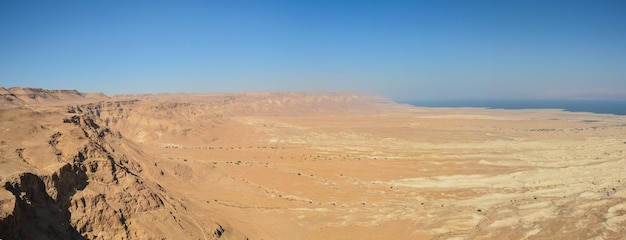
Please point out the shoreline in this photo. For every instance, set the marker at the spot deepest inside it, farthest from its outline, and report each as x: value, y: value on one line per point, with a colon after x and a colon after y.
x: 611, y: 107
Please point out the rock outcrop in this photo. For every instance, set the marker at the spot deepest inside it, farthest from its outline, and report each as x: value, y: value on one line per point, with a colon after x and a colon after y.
x: 86, y: 166
x: 95, y: 190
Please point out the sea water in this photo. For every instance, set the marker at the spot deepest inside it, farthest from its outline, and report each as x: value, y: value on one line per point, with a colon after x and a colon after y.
x: 617, y: 107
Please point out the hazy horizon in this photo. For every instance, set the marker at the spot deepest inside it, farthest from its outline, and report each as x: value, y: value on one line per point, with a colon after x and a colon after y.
x: 401, y: 49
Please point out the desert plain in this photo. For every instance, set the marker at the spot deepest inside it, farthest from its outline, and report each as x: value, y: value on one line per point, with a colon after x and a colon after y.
x: 303, y: 166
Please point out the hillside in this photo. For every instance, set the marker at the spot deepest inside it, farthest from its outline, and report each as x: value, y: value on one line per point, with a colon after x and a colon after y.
x: 22, y: 96
x: 302, y: 166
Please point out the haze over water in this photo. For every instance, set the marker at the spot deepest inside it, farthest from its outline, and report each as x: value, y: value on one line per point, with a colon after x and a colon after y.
x: 617, y: 107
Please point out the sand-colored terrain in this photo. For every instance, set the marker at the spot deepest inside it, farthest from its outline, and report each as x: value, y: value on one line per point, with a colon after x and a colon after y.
x: 303, y: 166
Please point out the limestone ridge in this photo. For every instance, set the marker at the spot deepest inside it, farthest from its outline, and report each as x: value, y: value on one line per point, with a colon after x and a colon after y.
x: 76, y: 166
x: 21, y: 96
x: 96, y: 193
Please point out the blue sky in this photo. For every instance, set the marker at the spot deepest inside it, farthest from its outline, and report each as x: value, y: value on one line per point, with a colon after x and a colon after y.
x: 401, y: 49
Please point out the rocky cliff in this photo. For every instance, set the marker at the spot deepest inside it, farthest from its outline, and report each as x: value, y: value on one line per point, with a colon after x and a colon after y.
x: 68, y: 176
x: 86, y: 166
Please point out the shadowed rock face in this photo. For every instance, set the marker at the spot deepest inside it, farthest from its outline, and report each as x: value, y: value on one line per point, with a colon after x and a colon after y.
x: 44, y: 204
x: 304, y: 166
x: 96, y: 191
x: 37, y: 215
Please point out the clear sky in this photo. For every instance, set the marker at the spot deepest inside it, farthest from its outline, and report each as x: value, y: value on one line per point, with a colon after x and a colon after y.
x: 401, y: 49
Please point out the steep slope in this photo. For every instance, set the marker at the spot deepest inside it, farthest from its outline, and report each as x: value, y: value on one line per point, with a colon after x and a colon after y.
x: 87, y: 168
x: 306, y: 166
x: 71, y: 178
x: 79, y: 166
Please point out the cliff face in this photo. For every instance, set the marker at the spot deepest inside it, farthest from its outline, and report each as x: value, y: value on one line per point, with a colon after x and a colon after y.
x: 305, y: 166
x: 21, y: 96
x: 36, y: 214
x: 86, y: 166
x: 73, y: 178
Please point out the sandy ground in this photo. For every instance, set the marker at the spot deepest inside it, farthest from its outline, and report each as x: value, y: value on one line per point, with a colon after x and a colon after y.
x: 386, y: 172
x: 431, y: 174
